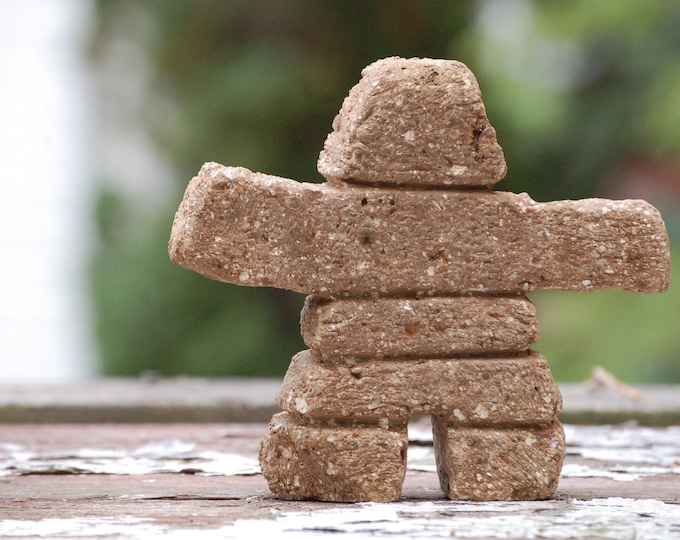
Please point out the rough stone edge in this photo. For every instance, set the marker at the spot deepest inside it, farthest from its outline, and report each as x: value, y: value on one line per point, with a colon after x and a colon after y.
x: 304, y: 391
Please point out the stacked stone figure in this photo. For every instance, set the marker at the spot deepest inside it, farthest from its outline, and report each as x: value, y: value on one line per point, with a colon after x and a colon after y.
x: 417, y: 274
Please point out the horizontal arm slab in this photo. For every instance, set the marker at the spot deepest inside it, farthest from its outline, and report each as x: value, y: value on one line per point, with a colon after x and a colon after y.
x: 253, y: 229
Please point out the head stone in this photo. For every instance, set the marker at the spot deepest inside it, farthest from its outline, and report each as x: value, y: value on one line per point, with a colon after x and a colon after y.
x: 414, y: 123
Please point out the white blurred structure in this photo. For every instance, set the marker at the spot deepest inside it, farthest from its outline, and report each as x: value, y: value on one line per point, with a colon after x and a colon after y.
x: 46, y: 146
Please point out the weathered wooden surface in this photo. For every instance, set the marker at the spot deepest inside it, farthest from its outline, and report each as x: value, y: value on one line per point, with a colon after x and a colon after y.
x: 182, y: 400
x: 175, y: 480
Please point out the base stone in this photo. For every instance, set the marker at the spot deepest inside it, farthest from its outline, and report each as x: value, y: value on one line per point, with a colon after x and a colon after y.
x: 333, y: 463
x: 483, y: 464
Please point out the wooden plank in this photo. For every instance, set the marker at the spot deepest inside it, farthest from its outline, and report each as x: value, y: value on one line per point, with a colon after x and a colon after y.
x: 181, y: 399
x: 149, y: 399
x: 606, y: 483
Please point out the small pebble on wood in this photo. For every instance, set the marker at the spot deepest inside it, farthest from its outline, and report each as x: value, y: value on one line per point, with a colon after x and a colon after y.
x: 416, y: 273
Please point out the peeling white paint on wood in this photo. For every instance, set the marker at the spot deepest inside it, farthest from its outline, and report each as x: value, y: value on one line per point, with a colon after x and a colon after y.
x: 623, y: 453
x: 610, y: 518
x: 164, y: 456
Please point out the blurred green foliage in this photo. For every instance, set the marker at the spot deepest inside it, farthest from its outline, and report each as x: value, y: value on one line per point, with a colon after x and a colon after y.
x: 634, y: 336
x: 577, y: 91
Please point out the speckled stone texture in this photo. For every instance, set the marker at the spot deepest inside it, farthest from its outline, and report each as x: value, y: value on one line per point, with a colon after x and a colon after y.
x: 413, y: 123
x: 473, y: 391
x: 333, y: 463
x: 253, y: 229
x: 483, y: 464
x: 416, y: 273
x: 411, y: 327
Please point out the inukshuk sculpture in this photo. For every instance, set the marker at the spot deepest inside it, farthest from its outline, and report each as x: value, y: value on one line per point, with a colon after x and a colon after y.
x: 417, y: 274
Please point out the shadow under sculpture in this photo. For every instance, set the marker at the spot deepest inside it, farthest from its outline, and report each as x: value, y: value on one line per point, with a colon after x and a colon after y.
x: 416, y: 274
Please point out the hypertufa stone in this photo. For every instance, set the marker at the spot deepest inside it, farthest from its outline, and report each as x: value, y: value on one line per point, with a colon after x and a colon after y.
x: 413, y: 122
x: 259, y: 230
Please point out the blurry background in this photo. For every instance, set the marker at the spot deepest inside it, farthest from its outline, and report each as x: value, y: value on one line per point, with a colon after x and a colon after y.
x: 48, y: 179
x: 111, y: 106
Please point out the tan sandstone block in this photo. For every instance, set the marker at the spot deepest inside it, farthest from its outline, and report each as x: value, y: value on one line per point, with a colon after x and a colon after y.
x: 481, y: 391
x: 253, y: 229
x: 426, y: 327
x: 483, y: 464
x: 413, y: 122
x: 333, y: 463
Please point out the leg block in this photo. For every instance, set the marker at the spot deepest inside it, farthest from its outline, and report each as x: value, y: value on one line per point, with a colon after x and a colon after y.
x: 486, y: 464
x: 327, y: 462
